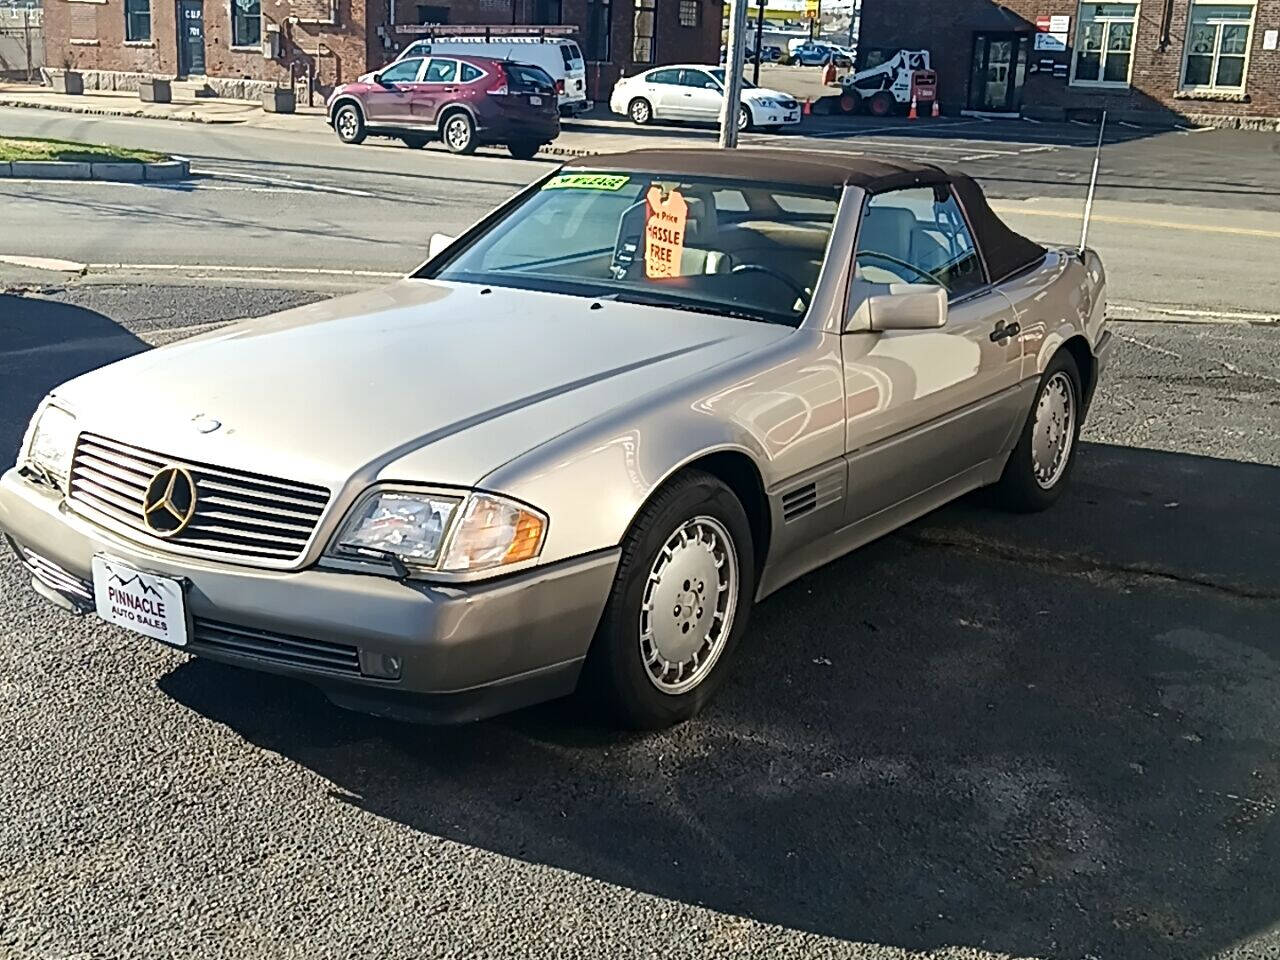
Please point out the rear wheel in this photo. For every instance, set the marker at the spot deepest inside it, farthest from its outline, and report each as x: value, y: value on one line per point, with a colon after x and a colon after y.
x: 849, y: 102
x: 459, y: 133
x: 640, y: 111
x: 881, y: 104
x: 524, y: 149
x: 678, y: 606
x: 348, y: 124
x: 1041, y: 463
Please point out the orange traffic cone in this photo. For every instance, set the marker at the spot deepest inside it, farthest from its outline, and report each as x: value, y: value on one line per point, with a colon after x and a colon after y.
x: 911, y: 114
x: 936, y: 111
x: 808, y: 106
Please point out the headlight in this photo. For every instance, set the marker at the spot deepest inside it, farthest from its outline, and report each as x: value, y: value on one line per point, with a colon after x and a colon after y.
x: 53, y: 440
x: 768, y: 102
x: 409, y: 526
x: 494, y: 532
x: 425, y: 531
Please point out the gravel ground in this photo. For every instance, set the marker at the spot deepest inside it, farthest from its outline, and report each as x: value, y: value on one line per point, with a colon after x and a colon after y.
x: 984, y: 735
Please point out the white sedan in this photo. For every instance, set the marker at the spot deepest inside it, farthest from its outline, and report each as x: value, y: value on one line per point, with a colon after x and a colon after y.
x: 692, y: 92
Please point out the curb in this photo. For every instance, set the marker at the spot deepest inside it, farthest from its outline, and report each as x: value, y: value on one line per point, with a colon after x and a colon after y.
x: 119, y: 172
x: 193, y: 117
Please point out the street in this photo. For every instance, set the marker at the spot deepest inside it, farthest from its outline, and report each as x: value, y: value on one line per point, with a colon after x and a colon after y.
x: 986, y: 735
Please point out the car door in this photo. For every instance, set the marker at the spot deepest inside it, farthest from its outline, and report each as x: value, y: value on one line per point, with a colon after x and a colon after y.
x: 663, y: 90
x: 389, y: 101
x: 701, y: 93
x: 437, y: 86
x: 924, y: 406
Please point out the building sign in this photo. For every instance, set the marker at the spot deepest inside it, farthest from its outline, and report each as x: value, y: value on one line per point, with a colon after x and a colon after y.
x: 811, y: 8
x: 1051, y: 33
x: 1269, y: 39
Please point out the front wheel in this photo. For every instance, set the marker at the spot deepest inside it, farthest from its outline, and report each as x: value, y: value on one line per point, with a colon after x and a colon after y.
x: 348, y: 124
x: 459, y: 133
x: 640, y: 111
x: 881, y: 104
x: 744, y: 118
x: 523, y: 150
x: 1040, y: 464
x: 679, y: 605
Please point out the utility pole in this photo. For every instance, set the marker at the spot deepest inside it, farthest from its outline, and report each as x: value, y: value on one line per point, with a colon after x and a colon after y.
x: 735, y: 62
x: 755, y: 71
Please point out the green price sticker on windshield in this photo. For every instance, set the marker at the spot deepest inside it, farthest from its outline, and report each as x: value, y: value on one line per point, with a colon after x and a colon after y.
x: 586, y: 181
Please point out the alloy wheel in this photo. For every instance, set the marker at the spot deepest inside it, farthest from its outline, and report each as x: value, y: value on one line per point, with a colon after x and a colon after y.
x: 1053, y: 432
x: 688, y: 604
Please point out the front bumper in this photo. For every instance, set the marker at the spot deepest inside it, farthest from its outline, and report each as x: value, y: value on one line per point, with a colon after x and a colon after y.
x: 466, y: 651
x: 768, y: 117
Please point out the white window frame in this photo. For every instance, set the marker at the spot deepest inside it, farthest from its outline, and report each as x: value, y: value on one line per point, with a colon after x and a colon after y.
x: 1212, y: 86
x: 1106, y: 33
x: 231, y: 29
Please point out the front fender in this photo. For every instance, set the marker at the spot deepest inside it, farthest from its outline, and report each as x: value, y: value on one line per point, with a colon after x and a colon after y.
x: 782, y: 407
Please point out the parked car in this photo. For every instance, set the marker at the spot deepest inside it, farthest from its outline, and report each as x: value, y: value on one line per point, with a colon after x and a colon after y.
x: 573, y: 448
x: 465, y: 102
x: 559, y: 57
x: 816, y: 53
x: 696, y: 92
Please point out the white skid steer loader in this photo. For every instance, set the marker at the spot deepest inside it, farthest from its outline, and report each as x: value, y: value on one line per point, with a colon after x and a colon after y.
x: 882, y: 89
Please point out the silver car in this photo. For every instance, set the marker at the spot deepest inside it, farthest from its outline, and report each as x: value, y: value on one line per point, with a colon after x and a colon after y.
x: 574, y: 447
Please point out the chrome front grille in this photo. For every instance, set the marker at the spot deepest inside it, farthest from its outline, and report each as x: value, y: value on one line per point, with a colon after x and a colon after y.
x: 261, y: 520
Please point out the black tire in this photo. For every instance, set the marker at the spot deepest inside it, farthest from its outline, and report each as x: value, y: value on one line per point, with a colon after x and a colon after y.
x: 744, y: 119
x: 640, y: 111
x: 415, y: 141
x: 458, y: 131
x: 616, y: 677
x: 348, y: 124
x: 881, y: 104
x: 1018, y: 489
x: 524, y: 149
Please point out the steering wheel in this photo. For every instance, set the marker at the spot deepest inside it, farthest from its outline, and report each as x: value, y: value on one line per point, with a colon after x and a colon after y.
x: 801, y: 293
x: 918, y: 271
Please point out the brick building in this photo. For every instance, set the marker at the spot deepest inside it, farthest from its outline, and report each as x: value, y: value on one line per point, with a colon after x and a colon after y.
x: 1213, y: 60
x: 242, y: 47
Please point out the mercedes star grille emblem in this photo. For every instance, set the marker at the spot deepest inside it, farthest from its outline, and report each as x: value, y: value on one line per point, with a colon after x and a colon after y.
x: 170, y: 501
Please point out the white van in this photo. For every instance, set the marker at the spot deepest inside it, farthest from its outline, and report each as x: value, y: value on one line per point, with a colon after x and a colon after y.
x: 560, y: 57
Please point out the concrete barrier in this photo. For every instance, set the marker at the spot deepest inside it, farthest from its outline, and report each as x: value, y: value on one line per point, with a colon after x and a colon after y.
x: 50, y: 170
x: 118, y: 171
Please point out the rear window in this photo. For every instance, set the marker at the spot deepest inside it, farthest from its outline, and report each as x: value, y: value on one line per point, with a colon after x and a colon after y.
x: 524, y: 78
x: 572, y: 56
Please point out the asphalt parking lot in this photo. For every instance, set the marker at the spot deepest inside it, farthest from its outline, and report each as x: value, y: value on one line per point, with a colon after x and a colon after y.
x: 985, y: 735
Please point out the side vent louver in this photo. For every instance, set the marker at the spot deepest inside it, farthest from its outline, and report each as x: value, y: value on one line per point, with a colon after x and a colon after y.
x: 799, y: 502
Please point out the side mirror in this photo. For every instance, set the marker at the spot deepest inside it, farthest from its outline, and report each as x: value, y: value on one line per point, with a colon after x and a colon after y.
x: 906, y: 306
x: 439, y: 244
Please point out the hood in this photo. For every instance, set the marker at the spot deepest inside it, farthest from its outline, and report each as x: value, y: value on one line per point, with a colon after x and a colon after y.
x: 461, y: 379
x: 760, y: 93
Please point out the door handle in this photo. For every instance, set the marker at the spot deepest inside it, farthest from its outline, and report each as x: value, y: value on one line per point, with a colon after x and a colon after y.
x: 1004, y: 331
x: 450, y: 89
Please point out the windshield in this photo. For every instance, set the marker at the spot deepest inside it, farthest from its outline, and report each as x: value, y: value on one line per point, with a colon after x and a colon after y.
x: 738, y: 249
x: 719, y: 75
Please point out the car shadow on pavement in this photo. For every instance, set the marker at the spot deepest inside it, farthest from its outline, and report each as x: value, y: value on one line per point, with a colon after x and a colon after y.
x: 1051, y: 735
x: 43, y: 343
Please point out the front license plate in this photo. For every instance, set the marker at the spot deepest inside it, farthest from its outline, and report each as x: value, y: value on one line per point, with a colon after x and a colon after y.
x: 142, y: 602
x: 535, y: 101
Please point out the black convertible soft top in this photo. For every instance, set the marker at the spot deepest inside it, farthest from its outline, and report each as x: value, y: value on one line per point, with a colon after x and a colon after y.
x: 1006, y: 251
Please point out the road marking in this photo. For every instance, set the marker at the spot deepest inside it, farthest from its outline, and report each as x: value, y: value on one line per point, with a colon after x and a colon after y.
x: 283, y: 182
x: 979, y: 156
x: 229, y: 268
x: 44, y: 263
x: 1138, y: 222
x: 1136, y: 310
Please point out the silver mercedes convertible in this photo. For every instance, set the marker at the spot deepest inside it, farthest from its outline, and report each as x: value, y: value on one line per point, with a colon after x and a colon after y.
x: 572, y: 449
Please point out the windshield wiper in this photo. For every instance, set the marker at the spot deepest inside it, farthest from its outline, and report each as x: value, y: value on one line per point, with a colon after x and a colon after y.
x: 646, y: 300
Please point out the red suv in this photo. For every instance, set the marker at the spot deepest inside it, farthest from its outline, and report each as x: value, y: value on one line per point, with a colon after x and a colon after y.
x: 463, y: 101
